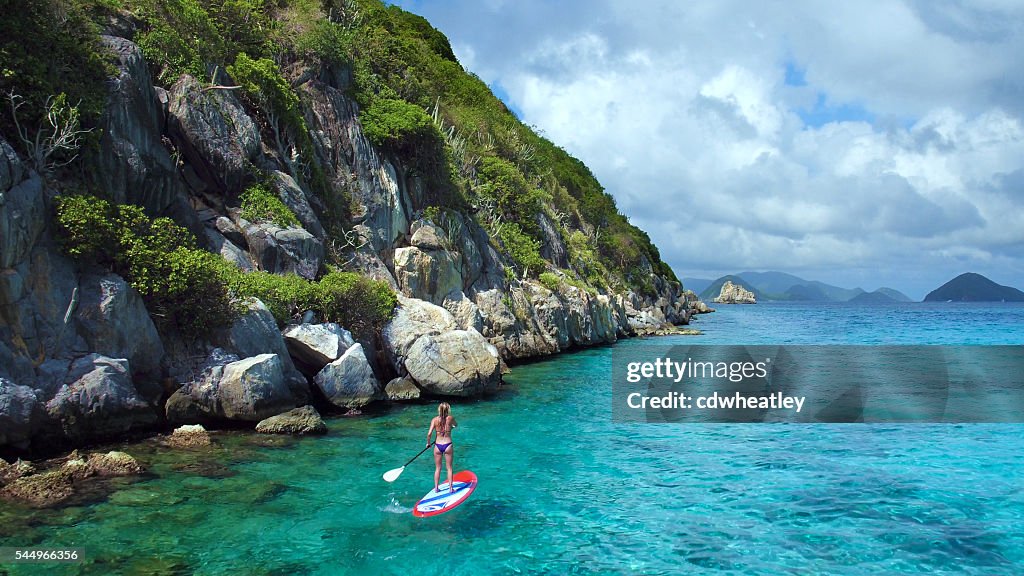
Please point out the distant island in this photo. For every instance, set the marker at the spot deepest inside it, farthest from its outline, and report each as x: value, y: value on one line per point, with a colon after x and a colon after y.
x: 735, y: 294
x: 971, y: 287
x: 780, y: 286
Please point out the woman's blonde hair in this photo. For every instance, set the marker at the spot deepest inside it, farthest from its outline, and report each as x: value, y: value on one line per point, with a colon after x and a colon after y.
x: 444, y: 411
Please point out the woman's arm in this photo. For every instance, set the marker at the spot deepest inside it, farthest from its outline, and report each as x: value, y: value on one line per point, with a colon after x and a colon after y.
x: 433, y: 421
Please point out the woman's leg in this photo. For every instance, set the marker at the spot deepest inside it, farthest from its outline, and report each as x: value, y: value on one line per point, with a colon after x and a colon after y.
x: 449, y: 455
x: 437, y: 466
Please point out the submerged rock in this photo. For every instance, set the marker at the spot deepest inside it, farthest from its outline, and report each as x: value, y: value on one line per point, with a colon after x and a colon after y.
x: 349, y: 381
x: 11, y: 472
x: 401, y: 389
x: 41, y: 490
x: 304, y: 420
x: 56, y: 485
x: 114, y: 464
x: 189, y: 436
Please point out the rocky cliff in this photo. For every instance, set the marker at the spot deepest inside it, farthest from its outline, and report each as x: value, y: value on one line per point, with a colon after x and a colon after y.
x: 84, y: 358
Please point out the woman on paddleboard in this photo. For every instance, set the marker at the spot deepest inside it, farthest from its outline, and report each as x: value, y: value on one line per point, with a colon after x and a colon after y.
x: 442, y: 424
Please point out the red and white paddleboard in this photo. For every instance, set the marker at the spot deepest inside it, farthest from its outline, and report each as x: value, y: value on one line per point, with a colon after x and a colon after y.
x: 443, y: 499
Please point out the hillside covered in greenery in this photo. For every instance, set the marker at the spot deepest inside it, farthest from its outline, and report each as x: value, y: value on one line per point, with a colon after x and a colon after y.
x: 416, y: 101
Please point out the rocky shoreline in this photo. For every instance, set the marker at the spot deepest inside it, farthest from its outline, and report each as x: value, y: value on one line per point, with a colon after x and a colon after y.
x: 82, y: 361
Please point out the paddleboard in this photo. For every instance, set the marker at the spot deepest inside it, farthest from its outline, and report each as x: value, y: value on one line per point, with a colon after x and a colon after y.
x: 442, y: 500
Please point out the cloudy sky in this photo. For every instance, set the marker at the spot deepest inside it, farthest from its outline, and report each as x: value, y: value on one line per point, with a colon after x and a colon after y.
x: 859, y: 143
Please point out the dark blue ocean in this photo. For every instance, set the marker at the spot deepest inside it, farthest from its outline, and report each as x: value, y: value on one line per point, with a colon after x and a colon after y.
x: 565, y: 490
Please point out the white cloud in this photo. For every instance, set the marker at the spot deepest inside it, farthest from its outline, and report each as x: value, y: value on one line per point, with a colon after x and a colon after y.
x: 684, y: 113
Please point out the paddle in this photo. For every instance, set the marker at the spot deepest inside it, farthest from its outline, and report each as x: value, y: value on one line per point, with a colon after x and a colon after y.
x: 392, y: 475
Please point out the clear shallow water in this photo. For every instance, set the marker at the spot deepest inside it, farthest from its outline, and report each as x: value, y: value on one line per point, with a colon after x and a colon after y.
x: 565, y: 490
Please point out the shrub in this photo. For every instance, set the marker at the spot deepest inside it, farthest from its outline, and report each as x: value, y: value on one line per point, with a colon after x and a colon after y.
x: 550, y: 280
x: 515, y: 199
x: 286, y: 295
x: 325, y: 41
x: 359, y: 303
x: 356, y: 302
x: 182, y: 39
x: 525, y: 251
x: 262, y: 205
x: 183, y: 287
x: 398, y: 126
x: 263, y: 83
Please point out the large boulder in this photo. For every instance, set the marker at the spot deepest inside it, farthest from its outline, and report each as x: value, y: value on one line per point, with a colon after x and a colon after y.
x: 115, y: 323
x: 133, y: 164
x: 427, y: 236
x: 413, y: 318
x: 553, y: 247
x: 498, y: 318
x: 215, y: 135
x: 20, y: 414
x: 427, y: 274
x: 253, y: 389
x: 455, y: 363
x: 551, y: 314
x: 282, y: 250
x: 349, y: 381
x: 247, y: 390
x: 255, y: 332
x: 314, y: 346
x: 98, y: 401
x: 466, y: 312
x: 299, y: 421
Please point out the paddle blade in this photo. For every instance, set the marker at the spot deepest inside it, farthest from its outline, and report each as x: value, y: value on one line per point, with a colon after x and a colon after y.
x: 392, y: 475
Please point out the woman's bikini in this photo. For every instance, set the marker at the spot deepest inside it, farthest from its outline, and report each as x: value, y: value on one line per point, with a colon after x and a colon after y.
x: 442, y: 447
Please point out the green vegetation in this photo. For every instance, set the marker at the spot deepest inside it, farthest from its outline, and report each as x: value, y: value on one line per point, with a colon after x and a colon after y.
x: 525, y: 251
x: 272, y: 95
x: 189, y: 290
x: 181, y: 285
x: 49, y: 49
x: 550, y: 280
x: 469, y: 154
x: 262, y: 205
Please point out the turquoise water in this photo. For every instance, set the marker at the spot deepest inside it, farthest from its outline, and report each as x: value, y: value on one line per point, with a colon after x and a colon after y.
x: 565, y: 490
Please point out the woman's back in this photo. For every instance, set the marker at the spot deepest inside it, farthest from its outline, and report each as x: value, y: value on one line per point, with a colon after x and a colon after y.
x: 444, y: 427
